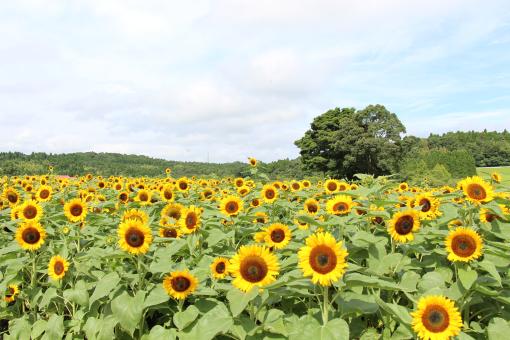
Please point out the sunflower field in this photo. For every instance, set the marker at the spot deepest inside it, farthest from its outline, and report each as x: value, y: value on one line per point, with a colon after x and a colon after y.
x: 250, y: 258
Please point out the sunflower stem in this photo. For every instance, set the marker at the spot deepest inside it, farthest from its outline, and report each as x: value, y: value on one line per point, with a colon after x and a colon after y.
x: 325, y: 309
x: 32, y: 278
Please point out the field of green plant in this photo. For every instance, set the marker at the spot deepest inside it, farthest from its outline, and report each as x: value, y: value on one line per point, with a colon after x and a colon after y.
x: 248, y: 258
x: 503, y: 171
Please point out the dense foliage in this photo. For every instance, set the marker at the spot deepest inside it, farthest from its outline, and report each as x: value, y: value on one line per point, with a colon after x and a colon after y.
x: 164, y: 258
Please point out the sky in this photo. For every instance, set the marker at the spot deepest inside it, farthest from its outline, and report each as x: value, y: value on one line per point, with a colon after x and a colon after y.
x: 223, y: 80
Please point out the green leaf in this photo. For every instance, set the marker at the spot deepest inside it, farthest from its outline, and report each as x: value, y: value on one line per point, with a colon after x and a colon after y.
x: 19, y: 328
x: 498, y: 329
x: 128, y: 310
x: 55, y: 327
x: 467, y: 277
x: 49, y: 294
x: 350, y: 302
x: 158, y: 332
x: 38, y: 328
x: 336, y: 329
x: 490, y: 268
x: 156, y: 296
x: 183, y: 319
x: 215, y: 321
x: 401, y: 313
x: 78, y: 294
x: 238, y: 300
x: 429, y: 281
x: 104, y: 286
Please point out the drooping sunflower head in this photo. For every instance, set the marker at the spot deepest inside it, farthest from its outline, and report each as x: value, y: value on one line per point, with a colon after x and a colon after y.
x: 277, y: 235
x: 323, y: 258
x: 464, y: 245
x: 57, y: 267
x: 220, y: 268
x: 260, y: 217
x: 403, y: 225
x: 170, y: 232
x: 339, y: 205
x: 75, y: 210
x: 496, y: 177
x: 44, y: 193
x: 301, y: 224
x: 190, y: 219
x: 331, y: 186
x: 252, y: 161
x: 180, y: 284
x: 30, y: 235
x: 254, y: 266
x: 12, y: 292
x: 207, y: 194
x: 311, y: 206
x: 31, y: 211
x: 269, y: 193
x: 231, y: 205
x: 436, y: 318
x: 477, y: 190
x: 134, y: 237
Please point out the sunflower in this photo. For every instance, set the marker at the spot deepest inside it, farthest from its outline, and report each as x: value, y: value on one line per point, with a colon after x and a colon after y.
x: 295, y: 186
x: 339, y: 205
x: 167, y: 193
x: 253, y: 266
x: 207, y: 194
x: 260, y: 217
x: 403, y: 225
x: 255, y: 202
x: 239, y: 182
x: 190, y: 219
x: 331, y: 186
x: 464, y: 245
x: 277, y: 235
x: 231, y: 205
x: 135, y: 214
x: 403, y: 187
x: 169, y: 232
x: 44, y: 193
x: 323, y: 258
x: 15, y: 212
x: 311, y: 206
x: 220, y: 268
x: 306, y: 183
x: 182, y: 184
x: 180, y: 284
x: 477, y: 190
x: 429, y: 206
x: 57, y: 267
x: 299, y: 224
x: 75, y: 210
x: 12, y: 292
x: 436, y: 318
x: 243, y: 191
x: 168, y: 171
x: 253, y: 161
x: 173, y: 211
x: 30, y: 211
x: 343, y: 186
x: 134, y: 237
x: 455, y: 223
x: 144, y: 197
x: 269, y: 193
x: 496, y: 177
x: 123, y: 196
x: 30, y: 235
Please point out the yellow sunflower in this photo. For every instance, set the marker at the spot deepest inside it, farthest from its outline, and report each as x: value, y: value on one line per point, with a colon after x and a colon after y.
x: 429, y: 206
x: 403, y: 187
x: 477, y: 190
x: 496, y: 177
x: 180, y: 284
x: 30, y: 235
x: 75, y: 210
x: 231, y: 205
x: 207, y: 194
x: 323, y: 258
x: 331, y: 186
x: 220, y: 268
x: 404, y: 224
x: 123, y: 196
x: 277, y: 235
x: 183, y: 184
x: 339, y: 205
x: 311, y: 206
x: 12, y: 196
x: 134, y: 237
x: 44, y: 193
x: 244, y: 190
x: 255, y: 202
x: 269, y: 193
x: 260, y: 217
x: 295, y: 186
x: 488, y: 216
x: 169, y: 232
x: 463, y: 244
x: 30, y: 211
x: 12, y: 292
x: 190, y: 219
x: 173, y: 212
x: 135, y: 214
x: 57, y: 267
x: 253, y: 266
x: 167, y: 193
x: 253, y: 161
x: 436, y: 318
x: 144, y: 197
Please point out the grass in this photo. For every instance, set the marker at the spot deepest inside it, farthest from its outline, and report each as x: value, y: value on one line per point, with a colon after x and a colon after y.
x: 503, y: 171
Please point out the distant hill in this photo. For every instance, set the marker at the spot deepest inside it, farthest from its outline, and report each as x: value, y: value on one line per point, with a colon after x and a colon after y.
x: 106, y: 164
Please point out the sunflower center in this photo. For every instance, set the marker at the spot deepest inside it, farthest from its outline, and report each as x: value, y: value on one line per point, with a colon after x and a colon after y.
x: 144, y: 197
x: 253, y: 269
x: 44, y: 194
x: 123, y: 196
x: 270, y: 194
x: 168, y: 195
x: 31, y: 235
x: 207, y: 194
x: 277, y: 235
x: 170, y: 233
x: 134, y: 237
x: 180, y: 283
x: 58, y: 268
x: 191, y: 221
x: 220, y: 268
x: 463, y: 245
x: 341, y: 206
x: 476, y: 191
x: 295, y: 186
x: 491, y: 217
x: 183, y: 185
x: 425, y: 205
x: 231, y: 207
x: 312, y: 207
x: 404, y: 225
x: 11, y: 197
x: 322, y: 259
x: 30, y: 212
x: 435, y: 319
x: 76, y: 210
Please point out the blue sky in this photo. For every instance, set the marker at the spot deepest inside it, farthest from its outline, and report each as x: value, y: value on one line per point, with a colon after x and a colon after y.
x: 223, y: 80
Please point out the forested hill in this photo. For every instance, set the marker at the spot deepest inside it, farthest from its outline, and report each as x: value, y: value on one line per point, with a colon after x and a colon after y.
x: 106, y: 164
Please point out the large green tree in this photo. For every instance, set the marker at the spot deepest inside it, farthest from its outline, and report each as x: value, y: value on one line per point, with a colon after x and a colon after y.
x: 343, y: 142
